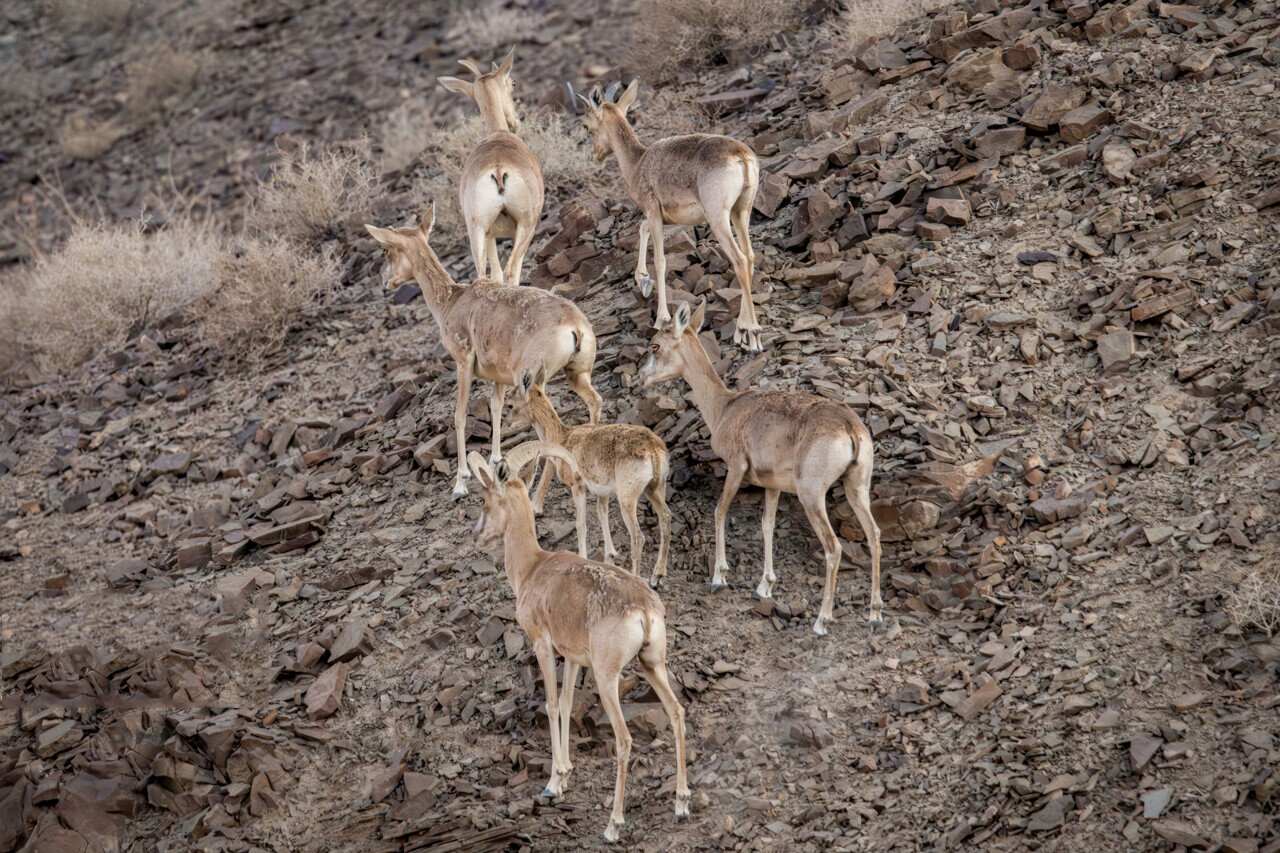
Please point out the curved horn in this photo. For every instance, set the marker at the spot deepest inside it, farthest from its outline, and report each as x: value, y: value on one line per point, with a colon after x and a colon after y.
x: 574, y: 97
x: 471, y: 66
x: 612, y: 91
x: 523, y: 454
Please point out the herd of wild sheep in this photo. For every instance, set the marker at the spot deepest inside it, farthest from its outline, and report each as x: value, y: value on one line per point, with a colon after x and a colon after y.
x: 595, y: 614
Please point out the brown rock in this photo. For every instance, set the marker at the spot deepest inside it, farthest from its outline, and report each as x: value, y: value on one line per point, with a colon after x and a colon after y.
x: 352, y: 642
x: 325, y: 693
x: 948, y: 211
x: 1000, y: 141
x: 1022, y: 56
x: 973, y: 704
x: 771, y: 193
x: 1056, y: 101
x: 1116, y: 349
x: 1080, y: 123
x: 974, y: 73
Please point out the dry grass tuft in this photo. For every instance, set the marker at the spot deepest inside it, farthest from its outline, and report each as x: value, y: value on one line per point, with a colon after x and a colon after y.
x: 165, y: 75
x: 265, y: 286
x: 309, y: 198
x: 488, y: 27
x: 671, y: 33
x: 404, y: 135
x: 1255, y: 603
x: 83, y: 16
x: 107, y: 282
x: 867, y: 19
x: 86, y: 139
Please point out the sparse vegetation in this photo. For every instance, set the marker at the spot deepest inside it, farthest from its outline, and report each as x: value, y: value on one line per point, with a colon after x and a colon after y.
x: 309, y: 197
x: 669, y: 33
x: 487, y: 27
x: 1255, y: 603
x: 82, y: 16
x: 163, y: 75
x: 84, y: 138
x: 867, y: 19
x: 108, y: 281
x: 265, y: 285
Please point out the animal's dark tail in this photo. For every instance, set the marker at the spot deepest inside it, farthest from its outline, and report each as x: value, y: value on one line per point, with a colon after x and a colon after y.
x: 500, y: 178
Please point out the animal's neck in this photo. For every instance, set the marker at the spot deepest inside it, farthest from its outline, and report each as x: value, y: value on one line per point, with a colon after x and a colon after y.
x: 547, y: 421
x: 707, y: 391
x: 520, y: 544
x: 438, y: 289
x: 495, y: 120
x: 628, y: 149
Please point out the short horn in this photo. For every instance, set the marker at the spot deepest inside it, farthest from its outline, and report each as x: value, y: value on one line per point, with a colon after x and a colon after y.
x: 574, y: 97
x: 612, y: 91
x: 471, y: 66
x: 523, y: 454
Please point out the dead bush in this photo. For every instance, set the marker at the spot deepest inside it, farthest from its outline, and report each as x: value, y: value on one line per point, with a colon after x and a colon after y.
x: 404, y: 135
x: 163, y: 75
x: 487, y: 27
x: 265, y: 285
x: 1255, y: 603
x: 85, y: 16
x: 85, y: 138
x: 107, y: 282
x: 671, y: 33
x: 309, y: 198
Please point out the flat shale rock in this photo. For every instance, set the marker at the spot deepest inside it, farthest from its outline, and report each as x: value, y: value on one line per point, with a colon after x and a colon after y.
x: 325, y: 693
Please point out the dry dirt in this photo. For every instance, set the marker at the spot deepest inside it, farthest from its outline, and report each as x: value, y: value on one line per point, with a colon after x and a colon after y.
x: 1073, y: 478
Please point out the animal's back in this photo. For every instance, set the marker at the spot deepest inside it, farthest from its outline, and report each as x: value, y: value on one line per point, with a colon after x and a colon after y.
x: 509, y: 324
x: 599, y: 448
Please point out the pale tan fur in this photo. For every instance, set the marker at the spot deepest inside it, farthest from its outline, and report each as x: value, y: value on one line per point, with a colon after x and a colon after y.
x: 683, y: 180
x: 782, y: 441
x: 501, y: 189
x: 622, y: 461
x: 591, y: 614
x: 492, y: 331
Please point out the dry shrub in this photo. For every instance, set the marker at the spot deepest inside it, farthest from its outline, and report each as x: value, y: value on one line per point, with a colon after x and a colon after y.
x: 404, y: 135
x: 84, y: 16
x: 671, y: 33
x: 163, y: 75
x: 310, y: 198
x: 107, y: 282
x: 265, y: 286
x: 1255, y: 603
x: 867, y: 19
x: 86, y: 139
x: 488, y: 27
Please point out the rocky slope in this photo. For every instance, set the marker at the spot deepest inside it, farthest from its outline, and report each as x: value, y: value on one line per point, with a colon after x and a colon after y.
x: 1033, y: 246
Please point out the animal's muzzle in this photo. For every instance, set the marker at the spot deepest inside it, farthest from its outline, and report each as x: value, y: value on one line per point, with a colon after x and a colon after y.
x: 479, y: 528
x: 385, y: 275
x: 646, y: 369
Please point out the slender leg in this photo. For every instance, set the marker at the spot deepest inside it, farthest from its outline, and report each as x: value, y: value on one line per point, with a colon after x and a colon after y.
x: 547, y: 664
x: 580, y: 383
x: 519, y: 246
x: 815, y: 507
x: 732, y: 480
x: 566, y: 715
x: 460, y: 423
x: 478, y: 243
x: 724, y: 235
x: 580, y: 518
x: 627, y: 506
x: 657, y: 499
x: 607, y: 684
x: 653, y: 664
x: 544, y: 483
x: 857, y: 490
x: 496, y: 401
x: 602, y: 510
x: 765, y: 589
x: 659, y: 267
x: 491, y: 259
x: 642, y: 264
x: 741, y: 226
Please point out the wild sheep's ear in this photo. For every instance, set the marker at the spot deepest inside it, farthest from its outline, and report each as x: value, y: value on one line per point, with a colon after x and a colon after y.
x: 597, y: 96
x: 453, y: 84
x: 695, y: 322
x: 681, y: 320
x: 627, y: 98
x: 428, y: 220
x: 480, y: 468
x: 526, y: 382
x: 502, y: 473
x: 507, y: 61
x: 384, y: 236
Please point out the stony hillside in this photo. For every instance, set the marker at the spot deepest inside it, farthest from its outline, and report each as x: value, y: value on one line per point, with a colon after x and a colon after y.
x: 1033, y: 246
